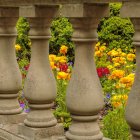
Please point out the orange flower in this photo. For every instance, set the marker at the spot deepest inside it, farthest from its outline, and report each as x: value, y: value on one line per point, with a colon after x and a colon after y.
x: 117, y: 74
x: 63, y: 49
x: 98, y: 54
x: 116, y: 104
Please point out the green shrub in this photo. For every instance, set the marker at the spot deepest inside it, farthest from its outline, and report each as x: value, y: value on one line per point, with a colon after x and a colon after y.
x: 115, y: 126
x: 115, y: 31
x: 24, y: 53
x: 24, y: 42
x: 61, y: 32
x: 115, y: 9
x: 61, y: 112
x: 23, y: 28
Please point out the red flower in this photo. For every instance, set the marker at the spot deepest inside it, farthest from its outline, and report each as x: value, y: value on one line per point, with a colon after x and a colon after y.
x: 26, y: 67
x: 102, y: 71
x: 63, y: 67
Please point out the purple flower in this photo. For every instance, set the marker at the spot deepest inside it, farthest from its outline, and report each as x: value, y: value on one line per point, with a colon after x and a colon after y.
x: 70, y: 64
x: 22, y: 105
x: 108, y: 96
x: 27, y: 110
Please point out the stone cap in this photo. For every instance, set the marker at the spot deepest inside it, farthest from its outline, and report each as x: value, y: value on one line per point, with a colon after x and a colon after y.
x: 39, y: 11
x: 33, y: 2
x: 95, y: 10
x: 9, y: 11
x: 68, y: 10
x: 131, y: 9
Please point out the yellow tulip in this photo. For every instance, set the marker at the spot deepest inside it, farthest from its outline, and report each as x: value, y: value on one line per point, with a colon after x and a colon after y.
x: 17, y: 47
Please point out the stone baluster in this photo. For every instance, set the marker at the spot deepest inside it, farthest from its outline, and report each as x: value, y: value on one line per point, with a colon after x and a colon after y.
x: 10, y: 76
x: 40, y: 86
x: 133, y: 104
x: 84, y: 94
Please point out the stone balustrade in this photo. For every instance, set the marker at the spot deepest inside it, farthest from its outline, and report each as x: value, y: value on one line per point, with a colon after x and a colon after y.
x: 132, y: 109
x: 84, y: 94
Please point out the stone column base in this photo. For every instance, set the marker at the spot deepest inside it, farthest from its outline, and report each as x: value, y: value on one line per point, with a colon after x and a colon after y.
x: 50, y: 133
x: 10, y: 122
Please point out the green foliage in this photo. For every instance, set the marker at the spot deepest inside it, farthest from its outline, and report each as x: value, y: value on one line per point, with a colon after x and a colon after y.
x: 23, y: 30
x: 115, y: 31
x: 61, y: 32
x: 115, y: 9
x: 24, y: 54
x: 115, y: 126
x: 61, y: 112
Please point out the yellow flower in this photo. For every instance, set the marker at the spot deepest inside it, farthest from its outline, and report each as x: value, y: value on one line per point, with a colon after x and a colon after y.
x: 102, y: 48
x: 98, y: 54
x: 110, y: 67
x: 131, y: 75
x: 116, y: 64
x: 17, y: 47
x: 118, y: 86
x: 119, y: 50
x: 131, y: 57
x: 128, y: 80
x: 52, y: 57
x: 62, y: 75
x: 63, y: 49
x: 113, y: 53
x: 124, y: 97
x: 123, y: 54
x: 57, y: 59
x: 120, y: 60
x: 98, y: 44
x: 96, y: 48
x: 52, y: 65
x: 119, y: 100
x: 62, y: 61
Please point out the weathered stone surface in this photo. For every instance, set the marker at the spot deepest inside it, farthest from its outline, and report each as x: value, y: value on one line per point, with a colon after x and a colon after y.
x: 50, y: 133
x: 10, y: 76
x: 39, y: 11
x: 84, y: 97
x: 12, y: 119
x: 9, y: 126
x: 6, y: 135
x: 85, y: 10
x: 134, y: 12
x: 40, y: 2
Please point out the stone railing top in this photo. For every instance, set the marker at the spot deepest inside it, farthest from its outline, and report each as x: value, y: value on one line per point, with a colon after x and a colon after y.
x: 40, y: 2
x: 131, y: 9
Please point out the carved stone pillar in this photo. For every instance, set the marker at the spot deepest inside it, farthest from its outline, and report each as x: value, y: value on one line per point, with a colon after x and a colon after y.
x: 84, y: 94
x: 40, y: 86
x: 133, y: 104
x: 10, y: 77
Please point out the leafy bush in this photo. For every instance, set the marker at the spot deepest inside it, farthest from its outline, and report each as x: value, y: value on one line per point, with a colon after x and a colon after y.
x: 61, y: 111
x: 115, y: 31
x: 23, y: 54
x: 115, y: 9
x: 61, y: 32
x: 115, y: 126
